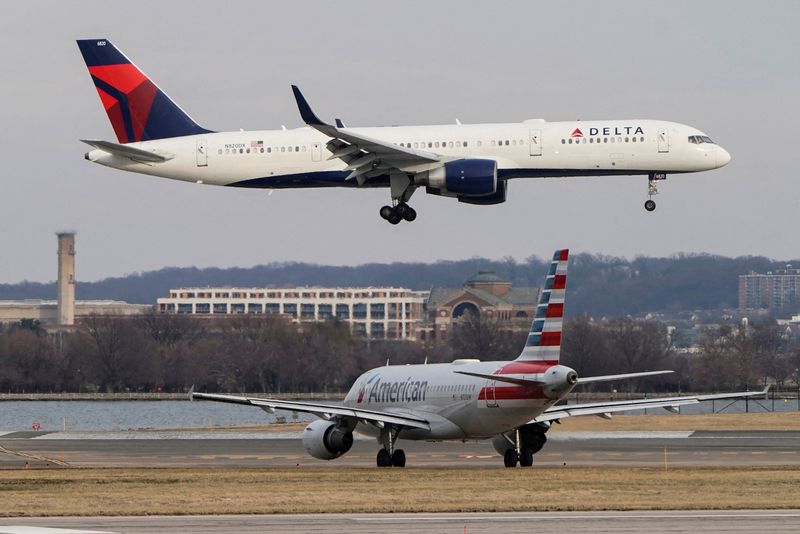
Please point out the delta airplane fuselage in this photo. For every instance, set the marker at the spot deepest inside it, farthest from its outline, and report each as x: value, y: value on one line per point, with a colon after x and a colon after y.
x: 470, y: 162
x: 531, y: 149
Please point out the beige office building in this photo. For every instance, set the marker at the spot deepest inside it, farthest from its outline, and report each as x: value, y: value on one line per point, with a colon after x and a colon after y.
x: 374, y: 312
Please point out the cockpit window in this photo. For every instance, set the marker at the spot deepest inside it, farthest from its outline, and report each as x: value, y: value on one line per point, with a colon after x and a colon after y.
x: 700, y: 139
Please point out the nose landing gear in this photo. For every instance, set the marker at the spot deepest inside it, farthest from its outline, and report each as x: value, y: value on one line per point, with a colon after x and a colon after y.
x: 652, y: 188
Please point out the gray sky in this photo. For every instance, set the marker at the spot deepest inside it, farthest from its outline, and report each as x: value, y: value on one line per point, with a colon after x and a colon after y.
x: 728, y: 68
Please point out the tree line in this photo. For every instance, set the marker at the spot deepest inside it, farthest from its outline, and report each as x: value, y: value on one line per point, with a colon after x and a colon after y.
x: 267, y: 354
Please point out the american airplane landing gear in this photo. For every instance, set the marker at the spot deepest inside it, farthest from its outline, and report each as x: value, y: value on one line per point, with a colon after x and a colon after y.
x: 524, y: 443
x: 388, y: 456
x: 652, y: 189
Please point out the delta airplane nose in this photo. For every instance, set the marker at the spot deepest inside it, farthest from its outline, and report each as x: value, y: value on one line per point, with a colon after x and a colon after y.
x: 723, y: 157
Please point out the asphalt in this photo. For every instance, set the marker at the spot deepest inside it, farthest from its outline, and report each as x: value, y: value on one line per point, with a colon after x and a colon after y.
x: 711, y: 521
x: 220, y: 449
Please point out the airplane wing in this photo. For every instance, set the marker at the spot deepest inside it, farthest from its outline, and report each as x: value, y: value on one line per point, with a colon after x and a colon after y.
x: 365, y: 156
x: 127, y: 151
x: 606, y: 408
x: 325, y: 411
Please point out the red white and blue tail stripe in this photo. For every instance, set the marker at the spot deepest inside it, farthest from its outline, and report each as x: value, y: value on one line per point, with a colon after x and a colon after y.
x: 544, y: 339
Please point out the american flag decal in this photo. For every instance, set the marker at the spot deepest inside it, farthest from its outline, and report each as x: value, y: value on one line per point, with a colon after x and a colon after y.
x: 256, y: 144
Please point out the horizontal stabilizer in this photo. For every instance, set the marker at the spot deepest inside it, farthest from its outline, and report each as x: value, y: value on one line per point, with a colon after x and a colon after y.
x: 608, y: 378
x: 127, y: 151
x: 504, y: 378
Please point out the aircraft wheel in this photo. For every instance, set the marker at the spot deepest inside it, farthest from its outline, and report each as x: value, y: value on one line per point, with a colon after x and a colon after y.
x: 409, y: 213
x: 526, y: 458
x: 399, y: 458
x: 386, y: 212
x: 395, y: 217
x: 650, y: 205
x: 384, y: 459
x: 510, y: 458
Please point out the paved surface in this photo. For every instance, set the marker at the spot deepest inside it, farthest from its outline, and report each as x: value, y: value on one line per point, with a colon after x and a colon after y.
x: 571, y: 522
x: 187, y: 449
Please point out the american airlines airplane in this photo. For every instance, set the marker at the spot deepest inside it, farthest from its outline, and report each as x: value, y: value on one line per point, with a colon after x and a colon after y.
x: 513, y: 403
x: 470, y: 162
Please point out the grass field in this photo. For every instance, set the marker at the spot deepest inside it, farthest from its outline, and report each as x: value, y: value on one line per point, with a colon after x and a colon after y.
x: 302, y: 490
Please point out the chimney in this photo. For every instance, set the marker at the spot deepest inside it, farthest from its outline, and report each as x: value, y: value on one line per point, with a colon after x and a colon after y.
x: 66, y: 278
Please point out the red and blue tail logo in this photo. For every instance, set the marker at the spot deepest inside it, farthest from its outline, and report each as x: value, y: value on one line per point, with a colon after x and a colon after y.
x: 137, y: 108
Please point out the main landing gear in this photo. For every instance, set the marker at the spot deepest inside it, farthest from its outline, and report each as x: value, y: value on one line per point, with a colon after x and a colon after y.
x: 525, y: 442
x: 402, y: 187
x: 652, y: 188
x: 398, y: 213
x: 388, y: 456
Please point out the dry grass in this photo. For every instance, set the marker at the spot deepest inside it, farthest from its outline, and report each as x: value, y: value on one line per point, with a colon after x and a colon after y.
x: 243, y: 491
x: 717, y: 421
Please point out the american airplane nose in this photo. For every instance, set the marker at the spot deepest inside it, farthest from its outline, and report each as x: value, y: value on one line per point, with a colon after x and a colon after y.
x: 723, y: 157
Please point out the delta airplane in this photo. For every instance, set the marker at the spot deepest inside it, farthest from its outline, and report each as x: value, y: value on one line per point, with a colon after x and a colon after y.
x: 513, y: 403
x: 470, y: 162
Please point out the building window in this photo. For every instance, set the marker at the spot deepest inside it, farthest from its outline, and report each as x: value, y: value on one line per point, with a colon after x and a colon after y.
x: 202, y: 307
x: 237, y: 308
x: 184, y: 308
x: 377, y: 311
x: 307, y: 311
x: 221, y: 308
x: 255, y: 308
x: 360, y: 310
x: 343, y: 311
x: 273, y: 307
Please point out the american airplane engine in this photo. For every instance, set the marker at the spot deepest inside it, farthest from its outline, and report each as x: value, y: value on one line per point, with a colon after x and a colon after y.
x: 462, y: 178
x: 325, y: 441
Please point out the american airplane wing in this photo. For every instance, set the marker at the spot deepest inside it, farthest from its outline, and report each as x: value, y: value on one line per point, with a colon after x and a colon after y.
x: 127, y: 151
x: 366, y: 156
x: 325, y: 411
x: 606, y: 408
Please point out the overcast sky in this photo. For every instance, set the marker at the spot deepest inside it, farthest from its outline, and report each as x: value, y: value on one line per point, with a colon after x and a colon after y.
x: 728, y: 68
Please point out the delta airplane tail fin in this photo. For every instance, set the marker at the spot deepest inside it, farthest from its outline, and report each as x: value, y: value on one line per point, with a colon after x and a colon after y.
x: 137, y: 108
x: 544, y: 339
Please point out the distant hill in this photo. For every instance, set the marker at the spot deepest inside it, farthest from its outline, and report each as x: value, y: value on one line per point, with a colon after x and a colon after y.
x: 598, y: 285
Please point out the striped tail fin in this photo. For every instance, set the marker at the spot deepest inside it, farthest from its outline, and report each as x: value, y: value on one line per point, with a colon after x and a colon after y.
x: 137, y: 108
x: 544, y: 339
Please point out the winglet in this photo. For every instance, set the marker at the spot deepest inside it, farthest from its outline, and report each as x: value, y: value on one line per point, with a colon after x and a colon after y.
x: 308, y: 115
x: 191, y: 393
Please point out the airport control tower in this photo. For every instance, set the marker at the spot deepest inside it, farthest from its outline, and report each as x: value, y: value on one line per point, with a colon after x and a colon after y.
x: 66, y: 278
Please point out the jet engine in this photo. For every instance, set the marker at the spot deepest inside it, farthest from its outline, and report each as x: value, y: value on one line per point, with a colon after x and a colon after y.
x: 462, y: 178
x: 498, y: 197
x: 325, y: 441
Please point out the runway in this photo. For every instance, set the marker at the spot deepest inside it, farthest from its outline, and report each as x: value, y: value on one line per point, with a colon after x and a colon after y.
x: 711, y: 521
x: 266, y: 449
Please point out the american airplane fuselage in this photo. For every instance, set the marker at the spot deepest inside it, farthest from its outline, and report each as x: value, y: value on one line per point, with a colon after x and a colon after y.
x: 456, y: 405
